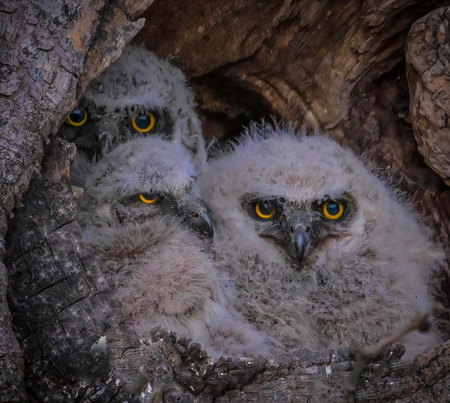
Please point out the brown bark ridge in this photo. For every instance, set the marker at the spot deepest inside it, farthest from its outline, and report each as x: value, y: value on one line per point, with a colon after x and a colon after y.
x: 57, y: 313
x: 60, y: 306
x: 428, y: 72
x: 45, y: 46
x: 298, y: 56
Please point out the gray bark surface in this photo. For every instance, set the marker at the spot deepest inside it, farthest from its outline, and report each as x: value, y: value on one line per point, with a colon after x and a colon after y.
x: 44, y: 48
x: 428, y: 72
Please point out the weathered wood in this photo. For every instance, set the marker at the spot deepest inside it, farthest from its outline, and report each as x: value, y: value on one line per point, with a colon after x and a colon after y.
x: 43, y: 52
x: 428, y: 72
x: 11, y: 360
x: 298, y: 56
x: 54, y: 301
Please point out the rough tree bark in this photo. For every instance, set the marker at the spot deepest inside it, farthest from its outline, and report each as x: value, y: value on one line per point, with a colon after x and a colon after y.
x: 45, y: 49
x: 334, y: 65
x: 428, y: 71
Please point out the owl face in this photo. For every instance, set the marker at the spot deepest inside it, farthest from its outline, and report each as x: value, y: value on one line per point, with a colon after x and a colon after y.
x: 299, y: 226
x: 142, y: 179
x: 137, y: 96
x: 304, y: 198
x: 96, y: 130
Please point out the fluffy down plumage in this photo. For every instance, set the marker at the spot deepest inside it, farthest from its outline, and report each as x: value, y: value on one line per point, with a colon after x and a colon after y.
x: 158, y: 267
x: 306, y: 279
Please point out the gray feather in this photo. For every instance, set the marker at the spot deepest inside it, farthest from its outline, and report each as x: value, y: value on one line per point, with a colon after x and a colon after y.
x: 160, y: 271
x: 359, y: 277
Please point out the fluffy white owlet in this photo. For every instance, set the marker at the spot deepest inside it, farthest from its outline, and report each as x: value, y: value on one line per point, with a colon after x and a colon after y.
x: 137, y: 95
x: 142, y: 214
x: 323, y: 253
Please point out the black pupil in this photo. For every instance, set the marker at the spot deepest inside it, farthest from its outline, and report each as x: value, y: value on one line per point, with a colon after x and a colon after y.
x: 333, y: 208
x: 77, y: 115
x: 266, y: 207
x: 143, y: 121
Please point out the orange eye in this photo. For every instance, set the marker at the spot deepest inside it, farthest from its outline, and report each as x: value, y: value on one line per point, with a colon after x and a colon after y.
x: 266, y: 209
x: 144, y: 122
x: 149, y: 199
x: 77, y: 117
x: 333, y: 209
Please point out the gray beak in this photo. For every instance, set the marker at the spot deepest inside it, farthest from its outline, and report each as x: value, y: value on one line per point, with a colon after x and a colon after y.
x: 291, y: 234
x: 197, y: 217
x: 105, y: 132
x: 299, y: 242
x: 103, y: 146
x: 295, y: 239
x: 201, y: 223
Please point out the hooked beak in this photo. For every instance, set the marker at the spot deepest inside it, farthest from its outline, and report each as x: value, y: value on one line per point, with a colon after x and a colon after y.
x: 96, y: 151
x: 293, y: 238
x: 201, y: 222
x: 197, y: 217
x: 298, y: 244
x: 104, y: 145
x: 106, y: 131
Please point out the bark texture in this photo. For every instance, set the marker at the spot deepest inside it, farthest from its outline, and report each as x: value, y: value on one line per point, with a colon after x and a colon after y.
x: 61, y: 311
x: 428, y: 72
x: 298, y: 56
x: 45, y: 46
x: 338, y: 66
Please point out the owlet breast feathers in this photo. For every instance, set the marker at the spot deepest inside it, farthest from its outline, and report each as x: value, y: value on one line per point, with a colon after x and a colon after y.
x: 142, y: 214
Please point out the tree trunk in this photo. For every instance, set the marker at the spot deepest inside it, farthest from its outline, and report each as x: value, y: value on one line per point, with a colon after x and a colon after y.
x: 46, y: 47
x: 428, y: 72
x: 330, y: 65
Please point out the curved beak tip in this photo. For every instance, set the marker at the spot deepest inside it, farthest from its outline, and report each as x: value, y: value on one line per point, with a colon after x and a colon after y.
x: 300, y: 242
x: 202, y: 223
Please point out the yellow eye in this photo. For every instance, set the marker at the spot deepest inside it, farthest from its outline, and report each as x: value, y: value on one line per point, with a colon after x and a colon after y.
x: 333, y: 209
x: 144, y: 122
x: 149, y: 199
x: 265, y: 209
x: 77, y: 117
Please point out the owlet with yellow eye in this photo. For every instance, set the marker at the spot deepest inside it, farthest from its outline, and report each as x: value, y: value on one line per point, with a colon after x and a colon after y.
x: 137, y: 96
x: 322, y: 251
x: 142, y: 214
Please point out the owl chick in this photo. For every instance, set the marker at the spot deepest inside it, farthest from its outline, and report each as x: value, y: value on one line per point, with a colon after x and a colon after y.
x: 138, y: 212
x: 137, y: 96
x: 323, y: 253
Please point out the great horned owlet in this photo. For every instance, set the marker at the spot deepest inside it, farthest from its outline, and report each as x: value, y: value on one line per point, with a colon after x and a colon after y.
x: 142, y: 214
x: 323, y: 252
x: 137, y: 96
